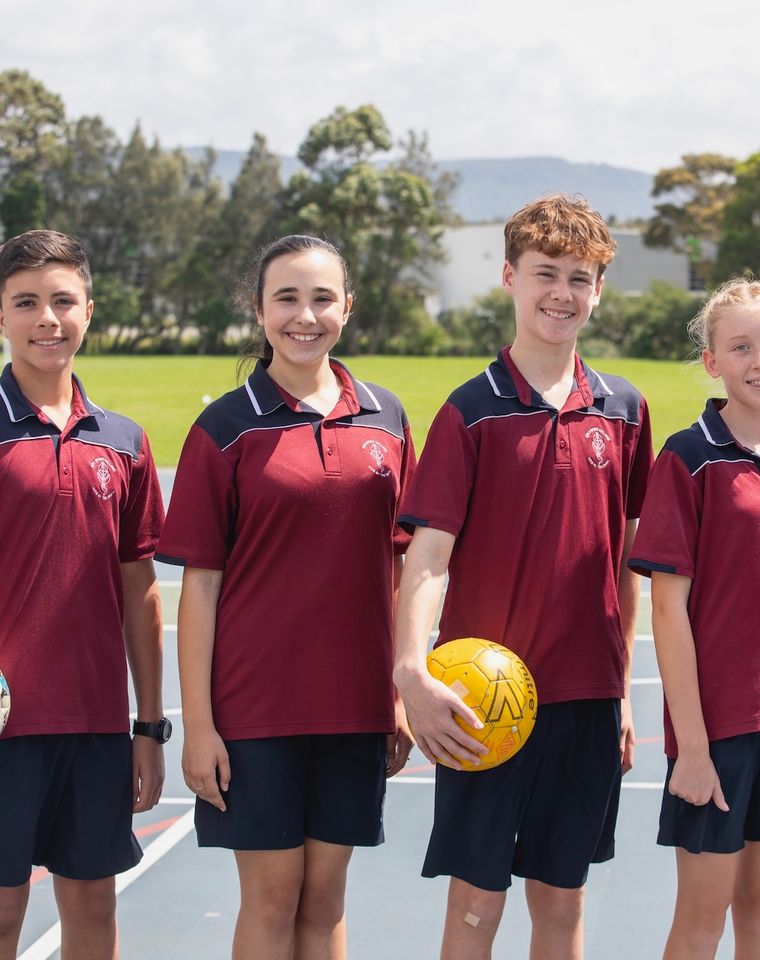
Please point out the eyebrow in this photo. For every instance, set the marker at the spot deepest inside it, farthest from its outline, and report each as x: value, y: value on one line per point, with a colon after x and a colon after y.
x: 296, y: 290
x: 56, y: 293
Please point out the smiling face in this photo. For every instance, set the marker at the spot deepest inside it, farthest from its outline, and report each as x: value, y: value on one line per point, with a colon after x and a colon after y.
x: 735, y: 356
x: 44, y: 313
x: 303, y: 309
x: 554, y: 296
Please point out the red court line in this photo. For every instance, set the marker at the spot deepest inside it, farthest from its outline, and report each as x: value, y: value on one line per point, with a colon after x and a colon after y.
x: 41, y: 872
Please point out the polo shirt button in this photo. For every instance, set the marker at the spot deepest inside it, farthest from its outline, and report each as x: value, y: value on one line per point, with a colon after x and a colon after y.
x: 66, y: 471
x: 329, y: 451
x: 562, y: 444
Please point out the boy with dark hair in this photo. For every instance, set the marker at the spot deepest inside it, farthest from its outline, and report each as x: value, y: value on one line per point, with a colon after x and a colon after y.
x: 80, y: 514
x: 527, y: 492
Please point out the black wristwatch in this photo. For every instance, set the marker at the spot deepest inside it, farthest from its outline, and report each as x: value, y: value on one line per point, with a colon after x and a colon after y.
x: 160, y: 731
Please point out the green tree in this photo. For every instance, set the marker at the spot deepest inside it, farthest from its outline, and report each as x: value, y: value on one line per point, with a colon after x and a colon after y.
x: 658, y: 322
x: 739, y: 247
x: 386, y: 218
x: 32, y: 126
x: 23, y: 205
x: 695, y: 194
x: 484, y: 327
x: 249, y: 216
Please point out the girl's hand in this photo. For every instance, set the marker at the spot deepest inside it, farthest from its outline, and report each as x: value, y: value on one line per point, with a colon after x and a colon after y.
x: 206, y: 765
x: 398, y: 744
x: 695, y: 780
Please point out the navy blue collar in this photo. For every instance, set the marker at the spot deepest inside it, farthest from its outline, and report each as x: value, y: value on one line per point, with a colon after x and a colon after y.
x: 19, y: 407
x: 265, y: 397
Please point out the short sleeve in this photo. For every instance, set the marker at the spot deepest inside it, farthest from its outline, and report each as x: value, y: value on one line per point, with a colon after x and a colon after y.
x: 641, y: 465
x: 143, y: 514
x: 439, y: 493
x: 200, y: 523
x: 667, y: 536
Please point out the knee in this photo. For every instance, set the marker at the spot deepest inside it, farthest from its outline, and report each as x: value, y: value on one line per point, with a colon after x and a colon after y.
x: 479, y: 908
x: 94, y: 900
x: 555, y: 907
x: 322, y: 905
x: 12, y: 908
x: 276, y: 905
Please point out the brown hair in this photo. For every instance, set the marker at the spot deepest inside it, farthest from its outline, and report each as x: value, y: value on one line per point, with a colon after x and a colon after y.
x: 37, y: 248
x: 557, y: 225
x: 734, y: 293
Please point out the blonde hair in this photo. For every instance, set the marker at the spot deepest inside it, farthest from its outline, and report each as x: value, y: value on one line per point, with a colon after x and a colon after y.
x: 557, y: 225
x: 734, y: 293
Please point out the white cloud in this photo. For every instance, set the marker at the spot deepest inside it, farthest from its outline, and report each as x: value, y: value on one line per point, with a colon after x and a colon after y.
x: 635, y: 85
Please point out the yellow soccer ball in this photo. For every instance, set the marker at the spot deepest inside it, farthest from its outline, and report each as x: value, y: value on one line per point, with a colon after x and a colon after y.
x: 495, y: 683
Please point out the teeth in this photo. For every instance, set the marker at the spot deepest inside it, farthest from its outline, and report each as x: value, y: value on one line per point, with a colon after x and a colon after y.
x: 557, y: 315
x: 47, y: 343
x: 304, y: 337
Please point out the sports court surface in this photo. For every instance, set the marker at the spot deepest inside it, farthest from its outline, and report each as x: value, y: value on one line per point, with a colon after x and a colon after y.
x: 180, y: 902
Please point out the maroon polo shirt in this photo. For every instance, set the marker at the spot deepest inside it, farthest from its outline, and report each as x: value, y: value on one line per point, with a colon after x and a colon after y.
x: 74, y: 505
x: 299, y: 511
x: 701, y: 519
x: 538, y: 501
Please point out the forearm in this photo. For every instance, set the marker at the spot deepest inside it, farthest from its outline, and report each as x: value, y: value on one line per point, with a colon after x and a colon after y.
x: 196, y: 625
x: 143, y: 637
x: 629, y: 591
x: 419, y: 595
x: 677, y: 660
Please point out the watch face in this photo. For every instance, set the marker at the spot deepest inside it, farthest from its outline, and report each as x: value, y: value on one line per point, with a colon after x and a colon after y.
x: 164, y: 730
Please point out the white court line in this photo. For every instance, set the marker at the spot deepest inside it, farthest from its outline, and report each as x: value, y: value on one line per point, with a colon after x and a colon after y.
x: 50, y: 941
x: 646, y: 681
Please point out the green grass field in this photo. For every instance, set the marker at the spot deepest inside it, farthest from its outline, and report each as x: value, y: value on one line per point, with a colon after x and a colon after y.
x: 165, y: 394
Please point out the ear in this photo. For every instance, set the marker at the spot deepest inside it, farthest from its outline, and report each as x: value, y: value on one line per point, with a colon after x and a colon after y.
x: 347, y: 311
x: 508, y: 276
x: 598, y: 290
x: 708, y: 359
x: 88, y: 315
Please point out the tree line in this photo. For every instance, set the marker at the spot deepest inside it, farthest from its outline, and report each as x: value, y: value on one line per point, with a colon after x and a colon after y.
x: 169, y: 243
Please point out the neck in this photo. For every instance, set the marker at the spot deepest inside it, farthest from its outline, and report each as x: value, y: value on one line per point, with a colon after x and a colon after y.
x: 744, y: 425
x: 546, y: 365
x: 45, y: 389
x: 302, y: 381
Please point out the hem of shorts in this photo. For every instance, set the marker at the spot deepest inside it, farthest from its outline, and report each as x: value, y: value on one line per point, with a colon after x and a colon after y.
x: 704, y: 848
x: 122, y: 868
x: 493, y: 888
x: 381, y: 725
x: 615, y: 692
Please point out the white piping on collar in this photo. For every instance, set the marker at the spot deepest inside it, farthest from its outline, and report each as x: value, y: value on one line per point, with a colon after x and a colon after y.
x: 610, y: 393
x: 252, y: 397
x: 370, y: 393
x: 7, y: 403
x: 492, y: 382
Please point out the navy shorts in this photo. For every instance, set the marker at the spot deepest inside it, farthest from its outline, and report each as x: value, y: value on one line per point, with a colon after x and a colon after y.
x: 707, y: 829
x: 545, y: 815
x: 328, y: 787
x: 66, y: 804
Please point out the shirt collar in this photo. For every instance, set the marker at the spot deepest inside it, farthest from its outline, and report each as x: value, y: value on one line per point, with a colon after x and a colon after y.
x: 19, y: 407
x: 266, y: 398
x: 714, y: 427
x: 507, y: 381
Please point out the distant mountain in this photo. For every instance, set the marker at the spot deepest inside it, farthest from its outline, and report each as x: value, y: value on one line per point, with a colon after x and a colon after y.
x: 492, y: 189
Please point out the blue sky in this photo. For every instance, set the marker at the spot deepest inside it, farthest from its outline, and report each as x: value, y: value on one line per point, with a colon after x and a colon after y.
x: 631, y: 84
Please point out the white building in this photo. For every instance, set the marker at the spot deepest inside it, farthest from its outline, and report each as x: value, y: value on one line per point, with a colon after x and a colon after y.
x: 476, y: 255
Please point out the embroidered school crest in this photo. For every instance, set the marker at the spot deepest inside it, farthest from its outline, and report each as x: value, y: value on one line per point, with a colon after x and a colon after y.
x: 377, y: 454
x: 103, y: 470
x: 598, y: 441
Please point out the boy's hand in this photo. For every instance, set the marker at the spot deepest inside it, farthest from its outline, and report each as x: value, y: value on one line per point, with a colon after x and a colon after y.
x: 147, y: 773
x: 695, y: 780
x: 398, y: 744
x: 627, y: 735
x: 430, y: 707
x: 206, y: 766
